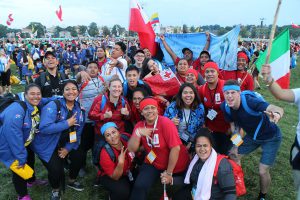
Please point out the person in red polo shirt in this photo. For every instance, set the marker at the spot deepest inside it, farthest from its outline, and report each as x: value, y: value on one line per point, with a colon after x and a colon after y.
x: 187, y: 53
x: 163, y: 147
x: 211, y: 94
x: 241, y: 75
x: 115, y: 175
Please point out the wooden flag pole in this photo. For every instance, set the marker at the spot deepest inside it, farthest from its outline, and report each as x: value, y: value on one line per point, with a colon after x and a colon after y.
x: 272, y: 34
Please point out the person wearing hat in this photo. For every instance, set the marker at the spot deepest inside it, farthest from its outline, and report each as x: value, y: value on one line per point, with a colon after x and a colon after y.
x: 159, y: 137
x: 261, y: 128
x: 211, y: 95
x: 115, y: 176
x: 187, y: 52
x: 192, y: 76
x: 51, y: 81
x: 241, y: 75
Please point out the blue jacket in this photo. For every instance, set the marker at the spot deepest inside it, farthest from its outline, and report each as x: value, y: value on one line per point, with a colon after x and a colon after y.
x: 14, y: 131
x: 196, y: 119
x: 51, y: 128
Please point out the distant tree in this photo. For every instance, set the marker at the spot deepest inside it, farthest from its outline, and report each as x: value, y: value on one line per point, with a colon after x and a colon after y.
x: 117, y: 30
x: 93, y: 29
x: 192, y: 29
x: 253, y: 33
x: 57, y: 30
x: 175, y: 30
x: 222, y: 31
x: 72, y: 30
x: 82, y: 29
x: 244, y: 32
x: 106, y: 31
x: 184, y: 28
x: 40, y: 28
x: 3, y: 31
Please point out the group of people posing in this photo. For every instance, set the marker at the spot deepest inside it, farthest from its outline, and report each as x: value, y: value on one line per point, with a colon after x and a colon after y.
x: 142, y: 136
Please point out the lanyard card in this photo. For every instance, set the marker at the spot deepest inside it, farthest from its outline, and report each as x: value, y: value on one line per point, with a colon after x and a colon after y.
x: 151, y: 156
x: 72, y: 136
x: 237, y: 140
x: 211, y: 114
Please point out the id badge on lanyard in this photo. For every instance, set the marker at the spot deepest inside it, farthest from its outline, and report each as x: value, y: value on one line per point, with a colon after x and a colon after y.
x: 153, y: 142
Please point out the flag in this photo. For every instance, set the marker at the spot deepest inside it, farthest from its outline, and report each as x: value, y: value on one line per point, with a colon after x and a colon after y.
x: 223, y: 49
x: 279, y: 59
x: 165, y: 83
x: 59, y: 13
x: 9, y: 20
x: 154, y: 18
x: 139, y: 22
x: 295, y: 25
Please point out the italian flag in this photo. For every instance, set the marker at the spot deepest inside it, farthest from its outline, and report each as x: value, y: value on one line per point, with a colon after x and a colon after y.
x: 279, y: 59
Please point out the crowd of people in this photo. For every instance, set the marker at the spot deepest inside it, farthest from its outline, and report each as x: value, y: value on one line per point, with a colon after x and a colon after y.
x: 93, y: 95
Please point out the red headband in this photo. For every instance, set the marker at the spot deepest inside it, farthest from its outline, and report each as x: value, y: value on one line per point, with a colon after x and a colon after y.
x: 243, y: 55
x: 148, y: 101
x: 212, y: 65
x: 192, y: 71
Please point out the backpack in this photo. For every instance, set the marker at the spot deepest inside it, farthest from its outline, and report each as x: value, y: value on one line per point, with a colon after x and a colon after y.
x: 44, y: 77
x: 98, y: 146
x: 125, y: 86
x: 237, y: 173
x: 103, y: 102
x: 248, y: 109
x: 9, y: 99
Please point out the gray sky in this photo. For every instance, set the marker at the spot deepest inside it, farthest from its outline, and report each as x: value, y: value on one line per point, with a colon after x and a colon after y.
x: 171, y: 12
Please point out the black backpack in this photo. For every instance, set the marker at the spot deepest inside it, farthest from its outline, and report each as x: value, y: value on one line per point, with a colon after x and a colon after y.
x: 98, y: 146
x: 10, y: 98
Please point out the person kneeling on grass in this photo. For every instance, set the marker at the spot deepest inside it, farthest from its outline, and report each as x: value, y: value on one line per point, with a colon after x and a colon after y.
x: 115, y: 170
x: 61, y: 126
x: 248, y: 111
x: 163, y: 148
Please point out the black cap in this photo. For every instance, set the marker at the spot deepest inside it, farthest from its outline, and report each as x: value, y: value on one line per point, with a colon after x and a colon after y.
x: 139, y: 51
x: 184, y: 49
x: 50, y: 53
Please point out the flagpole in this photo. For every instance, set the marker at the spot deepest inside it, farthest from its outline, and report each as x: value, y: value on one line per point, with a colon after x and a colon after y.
x: 272, y: 35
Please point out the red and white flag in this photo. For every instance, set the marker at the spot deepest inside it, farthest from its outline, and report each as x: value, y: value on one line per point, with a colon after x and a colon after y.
x: 9, y: 20
x: 139, y: 22
x: 59, y: 13
x: 165, y: 83
x: 295, y: 25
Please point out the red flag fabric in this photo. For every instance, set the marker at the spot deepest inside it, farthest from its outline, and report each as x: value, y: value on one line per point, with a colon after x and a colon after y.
x: 165, y: 83
x: 295, y: 25
x: 139, y: 22
x: 9, y: 20
x: 59, y: 13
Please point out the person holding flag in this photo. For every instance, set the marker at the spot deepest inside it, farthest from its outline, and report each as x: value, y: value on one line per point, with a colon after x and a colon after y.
x: 292, y: 96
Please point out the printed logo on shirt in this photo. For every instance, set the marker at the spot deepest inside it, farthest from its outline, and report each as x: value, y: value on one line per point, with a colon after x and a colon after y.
x: 218, y: 98
x: 205, y: 99
x: 49, y: 110
x: 18, y: 116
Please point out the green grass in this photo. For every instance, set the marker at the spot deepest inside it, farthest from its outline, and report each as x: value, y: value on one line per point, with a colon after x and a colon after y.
x: 282, y: 183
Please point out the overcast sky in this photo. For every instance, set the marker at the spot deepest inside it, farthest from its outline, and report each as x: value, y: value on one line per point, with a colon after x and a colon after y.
x: 171, y: 12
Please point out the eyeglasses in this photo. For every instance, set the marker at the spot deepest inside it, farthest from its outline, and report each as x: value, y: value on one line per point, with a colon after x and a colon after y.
x: 140, y: 56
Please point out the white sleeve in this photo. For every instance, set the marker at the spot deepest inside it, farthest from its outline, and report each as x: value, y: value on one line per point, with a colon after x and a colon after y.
x: 297, y: 95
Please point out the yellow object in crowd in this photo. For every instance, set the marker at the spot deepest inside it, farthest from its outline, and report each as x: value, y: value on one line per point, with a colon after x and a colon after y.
x: 14, y: 80
x: 25, y: 172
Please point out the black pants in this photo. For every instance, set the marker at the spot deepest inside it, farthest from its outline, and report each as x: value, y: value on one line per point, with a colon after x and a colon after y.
x: 19, y: 183
x: 147, y: 176
x: 87, y: 140
x: 55, y: 167
x: 118, y: 190
x: 183, y: 194
x: 5, y: 76
x: 222, y: 142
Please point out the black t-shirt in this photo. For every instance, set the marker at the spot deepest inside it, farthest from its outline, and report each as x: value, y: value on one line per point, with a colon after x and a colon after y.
x: 51, y: 85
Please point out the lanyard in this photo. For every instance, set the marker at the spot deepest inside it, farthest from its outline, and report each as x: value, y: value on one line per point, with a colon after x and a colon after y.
x: 184, y: 116
x: 150, y: 139
x: 95, y: 83
x: 213, y: 98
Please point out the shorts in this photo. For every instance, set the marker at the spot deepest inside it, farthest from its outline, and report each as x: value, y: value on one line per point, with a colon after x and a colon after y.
x: 269, y: 147
x: 5, y: 76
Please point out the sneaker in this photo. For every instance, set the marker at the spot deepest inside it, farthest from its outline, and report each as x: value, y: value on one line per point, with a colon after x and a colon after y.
x: 27, y: 197
x: 37, y: 182
x: 76, y: 186
x: 55, y: 195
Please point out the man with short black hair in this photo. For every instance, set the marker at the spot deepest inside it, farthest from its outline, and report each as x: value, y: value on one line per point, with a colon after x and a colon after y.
x: 139, y: 57
x: 117, y: 64
x: 132, y: 82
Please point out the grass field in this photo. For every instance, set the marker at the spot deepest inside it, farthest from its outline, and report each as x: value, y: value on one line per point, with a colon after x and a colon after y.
x: 282, y: 182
